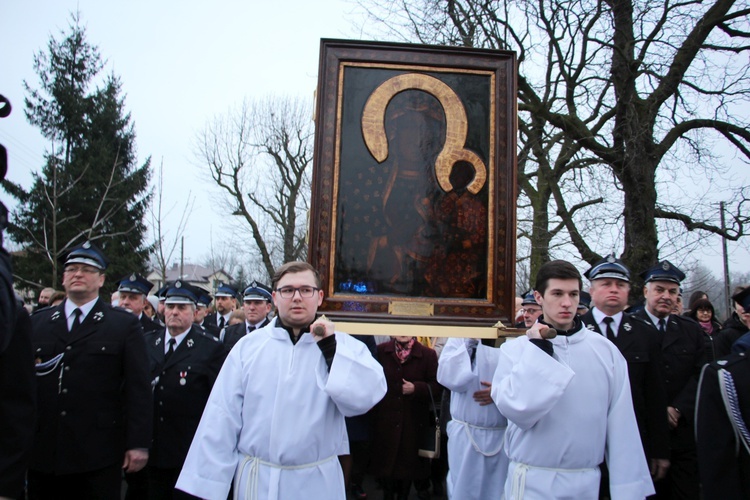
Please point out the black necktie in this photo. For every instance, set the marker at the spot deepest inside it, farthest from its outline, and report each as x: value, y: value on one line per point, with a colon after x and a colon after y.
x: 221, y: 322
x: 172, y: 343
x: 250, y: 328
x: 662, y: 325
x: 608, y: 321
x: 76, y: 320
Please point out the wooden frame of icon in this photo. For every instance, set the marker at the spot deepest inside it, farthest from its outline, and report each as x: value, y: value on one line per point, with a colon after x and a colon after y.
x: 413, y: 206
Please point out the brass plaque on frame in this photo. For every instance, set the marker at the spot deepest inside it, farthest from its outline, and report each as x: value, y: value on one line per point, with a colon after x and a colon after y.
x: 419, y: 309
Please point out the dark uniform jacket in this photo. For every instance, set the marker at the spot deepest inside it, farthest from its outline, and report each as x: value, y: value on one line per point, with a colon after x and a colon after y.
x: 182, y: 385
x: 233, y: 334
x: 17, y: 406
x: 732, y: 331
x: 640, y: 347
x: 148, y: 324
x: 96, y: 402
x: 682, y: 349
x: 399, y: 419
x: 211, y: 320
x: 723, y: 460
x: 210, y: 329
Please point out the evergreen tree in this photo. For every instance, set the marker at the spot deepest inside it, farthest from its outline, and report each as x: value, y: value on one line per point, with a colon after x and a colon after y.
x: 89, y: 187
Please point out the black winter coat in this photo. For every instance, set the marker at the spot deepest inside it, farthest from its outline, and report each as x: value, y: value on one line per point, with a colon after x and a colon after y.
x: 733, y: 330
x: 399, y: 419
x: 233, y: 333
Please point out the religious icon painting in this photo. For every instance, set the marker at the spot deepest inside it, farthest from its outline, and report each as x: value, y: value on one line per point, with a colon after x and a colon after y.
x: 413, y: 206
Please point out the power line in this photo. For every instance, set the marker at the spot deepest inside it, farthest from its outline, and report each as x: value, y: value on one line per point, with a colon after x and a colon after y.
x: 18, y: 143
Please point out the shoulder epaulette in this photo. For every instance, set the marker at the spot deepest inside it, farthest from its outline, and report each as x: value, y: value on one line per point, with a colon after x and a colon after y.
x: 638, y: 319
x: 686, y: 319
x: 43, y: 309
x: 204, y: 334
x: 728, y: 361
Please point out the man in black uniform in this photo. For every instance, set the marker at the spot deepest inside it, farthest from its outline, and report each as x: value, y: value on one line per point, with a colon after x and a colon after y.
x: 610, y: 286
x: 256, y: 303
x: 160, y: 293
x: 201, y: 311
x: 682, y: 349
x: 225, y: 302
x: 133, y: 292
x: 184, y: 364
x: 93, y: 389
x: 721, y: 425
x: 584, y: 303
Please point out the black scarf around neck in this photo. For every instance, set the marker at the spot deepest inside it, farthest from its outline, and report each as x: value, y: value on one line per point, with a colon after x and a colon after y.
x: 290, y: 330
x: 577, y: 325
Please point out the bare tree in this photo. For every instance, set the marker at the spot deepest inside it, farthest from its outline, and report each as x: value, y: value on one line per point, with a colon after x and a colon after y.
x: 259, y: 154
x: 166, y: 240
x: 618, y: 101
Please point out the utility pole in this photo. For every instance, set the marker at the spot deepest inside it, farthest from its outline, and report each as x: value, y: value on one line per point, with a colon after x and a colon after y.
x: 182, y: 255
x: 727, y: 285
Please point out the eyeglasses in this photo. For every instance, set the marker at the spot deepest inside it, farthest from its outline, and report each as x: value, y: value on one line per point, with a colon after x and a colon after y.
x: 304, y: 291
x: 81, y: 269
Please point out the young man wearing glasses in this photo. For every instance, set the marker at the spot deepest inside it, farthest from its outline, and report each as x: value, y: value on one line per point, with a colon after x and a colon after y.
x: 281, y: 398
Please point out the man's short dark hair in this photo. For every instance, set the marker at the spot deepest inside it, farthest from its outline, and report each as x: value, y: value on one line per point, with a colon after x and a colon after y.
x: 556, y: 269
x: 295, y: 267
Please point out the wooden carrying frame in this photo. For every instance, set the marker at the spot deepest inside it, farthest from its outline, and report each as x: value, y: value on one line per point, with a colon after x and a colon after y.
x: 413, y: 207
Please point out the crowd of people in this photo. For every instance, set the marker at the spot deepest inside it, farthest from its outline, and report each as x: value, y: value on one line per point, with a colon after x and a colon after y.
x: 249, y: 394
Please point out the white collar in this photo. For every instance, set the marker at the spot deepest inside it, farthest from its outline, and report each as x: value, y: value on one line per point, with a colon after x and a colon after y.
x: 257, y: 325
x: 178, y: 339
x: 599, y: 318
x: 85, y: 308
x: 655, y: 320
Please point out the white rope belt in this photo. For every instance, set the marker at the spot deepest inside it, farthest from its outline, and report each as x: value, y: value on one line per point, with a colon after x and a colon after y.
x: 467, y: 429
x: 518, y: 484
x: 251, y: 488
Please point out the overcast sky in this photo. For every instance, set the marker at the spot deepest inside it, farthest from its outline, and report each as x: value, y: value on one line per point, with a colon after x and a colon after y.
x: 182, y: 63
